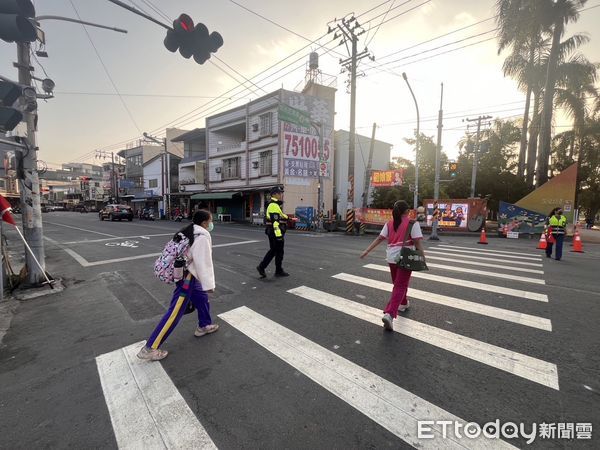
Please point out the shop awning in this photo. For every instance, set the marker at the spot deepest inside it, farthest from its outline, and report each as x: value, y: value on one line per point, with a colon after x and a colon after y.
x: 214, y: 195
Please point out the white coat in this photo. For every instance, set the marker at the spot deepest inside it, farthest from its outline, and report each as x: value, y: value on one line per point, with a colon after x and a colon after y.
x: 199, y: 258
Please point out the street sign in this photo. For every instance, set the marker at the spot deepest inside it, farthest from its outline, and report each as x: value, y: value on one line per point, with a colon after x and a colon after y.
x: 293, y: 115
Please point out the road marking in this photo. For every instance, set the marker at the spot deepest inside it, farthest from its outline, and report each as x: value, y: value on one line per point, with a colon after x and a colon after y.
x: 431, y: 251
x: 504, y: 276
x: 482, y: 264
x: 146, y: 409
x: 506, y: 254
x: 85, y: 263
x: 464, y: 305
x: 470, y: 284
x: 524, y: 366
x: 91, y: 241
x: 395, y: 409
x: 81, y: 229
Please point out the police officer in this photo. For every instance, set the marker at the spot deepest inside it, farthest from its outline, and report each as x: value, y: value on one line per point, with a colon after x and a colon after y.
x: 275, y: 230
x: 556, y: 227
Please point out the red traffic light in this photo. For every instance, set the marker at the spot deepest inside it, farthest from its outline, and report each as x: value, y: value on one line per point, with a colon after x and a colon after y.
x: 183, y: 24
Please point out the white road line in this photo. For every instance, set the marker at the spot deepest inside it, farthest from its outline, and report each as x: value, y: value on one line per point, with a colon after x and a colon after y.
x: 80, y: 229
x: 458, y: 260
x: 480, y: 250
x: 395, y: 409
x: 504, y: 276
x: 520, y: 365
x: 470, y: 284
x: 85, y: 263
x: 457, y: 303
x: 91, y: 241
x: 433, y: 251
x: 146, y: 409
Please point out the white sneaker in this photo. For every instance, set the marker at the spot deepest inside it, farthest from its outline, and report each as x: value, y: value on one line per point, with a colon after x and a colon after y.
x: 388, y: 322
x: 403, y: 308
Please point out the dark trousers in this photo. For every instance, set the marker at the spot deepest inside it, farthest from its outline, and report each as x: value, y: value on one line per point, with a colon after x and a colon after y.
x: 275, y: 251
x: 559, y: 246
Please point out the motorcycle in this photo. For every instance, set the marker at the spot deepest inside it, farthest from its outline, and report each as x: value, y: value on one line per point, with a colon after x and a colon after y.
x: 178, y: 218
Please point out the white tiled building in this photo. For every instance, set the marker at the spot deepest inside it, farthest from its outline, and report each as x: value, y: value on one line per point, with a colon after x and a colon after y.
x: 250, y: 150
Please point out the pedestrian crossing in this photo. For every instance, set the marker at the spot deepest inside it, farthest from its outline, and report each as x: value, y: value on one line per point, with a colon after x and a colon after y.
x: 499, y: 297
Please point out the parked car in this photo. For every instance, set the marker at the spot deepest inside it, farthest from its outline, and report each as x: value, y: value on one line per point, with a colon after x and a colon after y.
x: 116, y: 212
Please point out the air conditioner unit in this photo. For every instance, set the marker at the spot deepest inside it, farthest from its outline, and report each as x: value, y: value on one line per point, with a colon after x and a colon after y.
x: 255, y: 164
x: 254, y: 127
x: 217, y: 169
x: 182, y: 188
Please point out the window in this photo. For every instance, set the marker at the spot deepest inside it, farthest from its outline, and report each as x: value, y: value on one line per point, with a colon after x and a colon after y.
x: 135, y: 160
x: 265, y: 163
x: 266, y: 124
x: 231, y: 168
x: 153, y: 183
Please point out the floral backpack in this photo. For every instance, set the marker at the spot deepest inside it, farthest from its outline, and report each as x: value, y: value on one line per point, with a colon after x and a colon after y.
x: 164, y: 267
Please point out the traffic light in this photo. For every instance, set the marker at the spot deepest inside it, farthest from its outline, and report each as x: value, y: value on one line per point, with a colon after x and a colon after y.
x: 17, y: 21
x: 192, y: 40
x: 9, y: 116
x: 452, y: 168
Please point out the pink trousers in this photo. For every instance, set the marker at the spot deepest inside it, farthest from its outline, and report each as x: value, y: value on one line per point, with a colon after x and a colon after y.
x: 400, y: 278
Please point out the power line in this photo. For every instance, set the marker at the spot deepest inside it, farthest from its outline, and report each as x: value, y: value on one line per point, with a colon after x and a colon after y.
x: 106, y: 69
x: 379, y: 26
x: 157, y: 10
x: 237, y: 73
x: 140, y: 95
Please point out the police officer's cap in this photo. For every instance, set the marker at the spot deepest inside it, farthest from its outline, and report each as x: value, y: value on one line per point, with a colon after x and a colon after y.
x: 276, y: 190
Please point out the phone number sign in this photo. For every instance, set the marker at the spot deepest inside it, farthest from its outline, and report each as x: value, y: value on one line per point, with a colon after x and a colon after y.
x: 301, y: 155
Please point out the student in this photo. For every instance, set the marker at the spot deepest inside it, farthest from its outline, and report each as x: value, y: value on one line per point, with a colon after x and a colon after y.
x: 395, y: 231
x: 199, y: 285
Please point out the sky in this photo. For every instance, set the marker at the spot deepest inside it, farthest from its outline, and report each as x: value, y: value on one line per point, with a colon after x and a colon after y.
x: 159, y: 88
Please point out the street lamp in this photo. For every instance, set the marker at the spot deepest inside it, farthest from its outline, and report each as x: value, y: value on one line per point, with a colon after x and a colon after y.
x: 416, y: 192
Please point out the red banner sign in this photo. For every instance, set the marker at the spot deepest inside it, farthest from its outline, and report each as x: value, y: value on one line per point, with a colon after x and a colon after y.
x: 377, y: 216
x: 387, y: 178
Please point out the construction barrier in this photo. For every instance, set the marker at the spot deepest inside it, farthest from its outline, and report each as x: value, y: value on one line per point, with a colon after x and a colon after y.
x: 483, y: 237
x: 542, y: 244
x: 350, y: 221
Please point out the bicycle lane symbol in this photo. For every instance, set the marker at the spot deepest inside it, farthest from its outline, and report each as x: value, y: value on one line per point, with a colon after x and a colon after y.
x: 129, y: 244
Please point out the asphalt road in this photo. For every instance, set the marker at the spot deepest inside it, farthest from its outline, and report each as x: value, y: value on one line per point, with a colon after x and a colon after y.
x: 493, y: 333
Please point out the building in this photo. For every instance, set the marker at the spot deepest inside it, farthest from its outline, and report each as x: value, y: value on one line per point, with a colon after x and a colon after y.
x: 252, y: 148
x: 381, y: 161
x: 192, y: 170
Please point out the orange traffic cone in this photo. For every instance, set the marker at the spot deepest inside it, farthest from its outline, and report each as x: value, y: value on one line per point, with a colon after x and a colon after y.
x: 542, y: 245
x: 577, y: 244
x: 483, y: 237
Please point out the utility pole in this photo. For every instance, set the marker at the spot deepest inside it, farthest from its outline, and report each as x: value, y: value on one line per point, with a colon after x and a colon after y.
x: 349, y: 31
x: 476, y: 152
x: 436, y: 186
x: 165, y: 171
x: 368, y: 168
x: 30, y: 187
x: 114, y: 179
x: 321, y: 129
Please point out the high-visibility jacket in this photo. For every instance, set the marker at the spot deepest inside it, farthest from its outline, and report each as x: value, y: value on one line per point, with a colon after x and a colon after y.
x: 274, y: 218
x: 557, y: 224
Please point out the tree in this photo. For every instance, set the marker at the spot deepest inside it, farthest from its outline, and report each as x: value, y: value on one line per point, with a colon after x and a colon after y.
x: 556, y: 15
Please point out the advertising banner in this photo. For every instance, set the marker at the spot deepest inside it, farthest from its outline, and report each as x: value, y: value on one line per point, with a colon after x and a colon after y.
x: 520, y: 219
x: 301, y: 151
x: 459, y: 214
x: 387, y: 178
x: 374, y: 216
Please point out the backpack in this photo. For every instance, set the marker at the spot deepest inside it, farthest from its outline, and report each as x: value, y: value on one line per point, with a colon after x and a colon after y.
x: 165, y: 264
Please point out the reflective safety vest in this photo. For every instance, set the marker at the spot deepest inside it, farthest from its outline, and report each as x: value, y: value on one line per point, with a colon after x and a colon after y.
x: 274, y: 216
x: 557, y: 225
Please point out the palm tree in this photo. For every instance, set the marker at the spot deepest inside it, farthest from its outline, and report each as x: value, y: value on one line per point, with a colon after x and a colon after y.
x: 519, y: 27
x: 556, y: 14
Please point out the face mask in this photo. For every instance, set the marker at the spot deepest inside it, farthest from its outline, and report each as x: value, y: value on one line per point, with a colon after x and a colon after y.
x: 211, y: 226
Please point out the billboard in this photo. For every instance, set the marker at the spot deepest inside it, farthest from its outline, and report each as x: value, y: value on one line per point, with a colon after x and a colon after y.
x: 373, y: 216
x: 459, y: 214
x: 387, y: 178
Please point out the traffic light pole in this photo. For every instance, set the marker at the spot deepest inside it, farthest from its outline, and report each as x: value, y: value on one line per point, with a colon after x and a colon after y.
x: 30, y: 186
x: 476, y: 152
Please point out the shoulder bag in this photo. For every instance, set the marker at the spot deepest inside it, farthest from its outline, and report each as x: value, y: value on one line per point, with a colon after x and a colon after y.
x: 409, y: 259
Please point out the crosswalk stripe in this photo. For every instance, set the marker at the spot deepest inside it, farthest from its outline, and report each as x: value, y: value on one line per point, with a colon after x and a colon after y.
x: 482, y: 264
x: 431, y: 251
x: 506, y: 254
x: 387, y: 404
x: 145, y: 407
x: 470, y: 284
x: 504, y: 276
x: 464, y: 305
x: 524, y: 366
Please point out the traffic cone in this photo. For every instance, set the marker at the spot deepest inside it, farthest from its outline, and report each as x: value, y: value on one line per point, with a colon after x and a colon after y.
x: 542, y: 245
x: 577, y: 244
x: 483, y: 237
